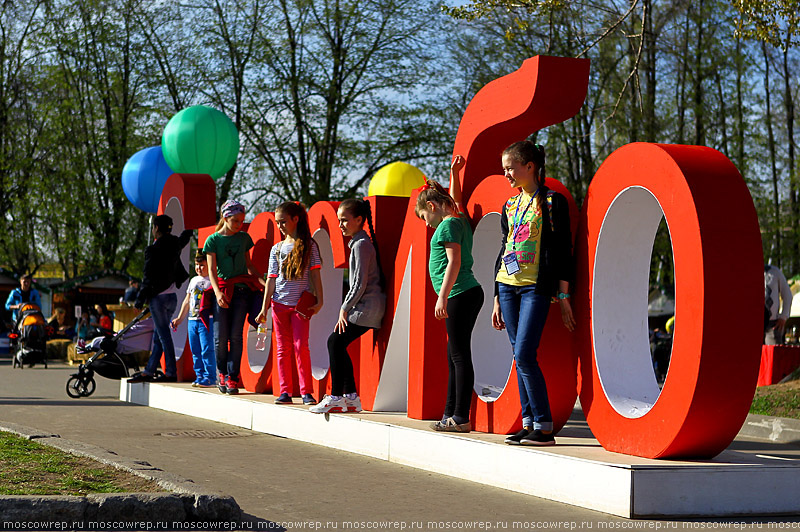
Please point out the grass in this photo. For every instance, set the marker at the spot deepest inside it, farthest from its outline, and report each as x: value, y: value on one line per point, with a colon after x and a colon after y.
x: 29, y: 468
x: 782, y: 400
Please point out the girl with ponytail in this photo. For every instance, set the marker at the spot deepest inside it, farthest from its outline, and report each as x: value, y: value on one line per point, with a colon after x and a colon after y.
x: 460, y: 295
x: 362, y: 309
x: 534, y: 265
x: 294, y: 268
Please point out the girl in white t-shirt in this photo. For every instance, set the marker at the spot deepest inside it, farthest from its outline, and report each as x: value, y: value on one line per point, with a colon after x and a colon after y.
x: 294, y: 267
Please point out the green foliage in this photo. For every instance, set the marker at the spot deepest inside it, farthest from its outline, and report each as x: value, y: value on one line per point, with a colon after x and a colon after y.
x: 74, y: 108
x: 665, y: 71
x: 476, y: 9
x: 324, y: 93
x: 776, y: 22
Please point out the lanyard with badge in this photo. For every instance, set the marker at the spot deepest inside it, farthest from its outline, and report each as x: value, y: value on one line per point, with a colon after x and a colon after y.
x: 510, y: 259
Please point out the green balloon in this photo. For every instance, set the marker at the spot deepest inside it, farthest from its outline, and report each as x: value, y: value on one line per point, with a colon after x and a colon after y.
x: 200, y: 140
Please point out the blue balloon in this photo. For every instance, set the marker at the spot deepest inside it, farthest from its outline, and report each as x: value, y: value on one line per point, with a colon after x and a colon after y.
x: 144, y: 177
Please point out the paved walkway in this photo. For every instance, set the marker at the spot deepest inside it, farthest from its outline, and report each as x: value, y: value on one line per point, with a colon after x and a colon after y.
x: 284, y: 481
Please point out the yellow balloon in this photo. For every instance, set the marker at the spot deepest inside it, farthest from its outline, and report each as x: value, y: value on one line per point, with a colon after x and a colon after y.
x: 396, y: 179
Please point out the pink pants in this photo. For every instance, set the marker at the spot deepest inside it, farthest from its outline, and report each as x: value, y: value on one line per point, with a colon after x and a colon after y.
x: 291, y: 335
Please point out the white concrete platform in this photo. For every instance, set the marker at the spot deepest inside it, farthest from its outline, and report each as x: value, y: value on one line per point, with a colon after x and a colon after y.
x: 576, y: 471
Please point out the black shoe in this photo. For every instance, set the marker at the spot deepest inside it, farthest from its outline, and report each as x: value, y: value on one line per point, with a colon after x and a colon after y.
x: 538, y: 438
x: 140, y: 377
x: 514, y: 439
x: 284, y: 399
x: 165, y: 378
x: 308, y: 399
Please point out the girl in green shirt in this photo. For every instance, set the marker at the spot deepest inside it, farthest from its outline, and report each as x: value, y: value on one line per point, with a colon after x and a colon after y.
x: 460, y: 295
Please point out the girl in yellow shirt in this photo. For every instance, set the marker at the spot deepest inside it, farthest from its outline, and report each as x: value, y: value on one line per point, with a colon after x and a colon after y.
x: 534, y: 265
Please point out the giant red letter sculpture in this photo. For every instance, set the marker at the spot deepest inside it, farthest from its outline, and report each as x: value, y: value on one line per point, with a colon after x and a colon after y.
x: 543, y: 92
x: 717, y: 255
x: 718, y: 268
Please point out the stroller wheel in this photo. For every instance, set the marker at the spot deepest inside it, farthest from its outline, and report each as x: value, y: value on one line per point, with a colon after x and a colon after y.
x: 88, y: 388
x: 77, y: 387
x: 74, y: 385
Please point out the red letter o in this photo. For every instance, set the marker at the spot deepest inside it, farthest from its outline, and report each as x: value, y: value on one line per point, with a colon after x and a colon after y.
x: 718, y: 301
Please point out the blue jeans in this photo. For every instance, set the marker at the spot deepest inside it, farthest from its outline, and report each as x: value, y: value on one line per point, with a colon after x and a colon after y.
x: 201, y: 342
x: 229, y: 330
x: 525, y: 312
x: 162, y: 307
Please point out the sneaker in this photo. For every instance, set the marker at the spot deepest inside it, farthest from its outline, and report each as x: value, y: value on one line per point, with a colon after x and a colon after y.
x: 538, y: 438
x: 223, y: 383
x: 450, y: 425
x: 514, y: 439
x: 232, y: 386
x: 283, y: 399
x: 196, y: 384
x: 353, y: 405
x: 308, y: 399
x: 206, y: 384
x: 329, y: 404
x: 165, y: 378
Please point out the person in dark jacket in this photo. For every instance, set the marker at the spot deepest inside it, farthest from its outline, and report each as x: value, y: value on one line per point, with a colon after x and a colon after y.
x: 163, y: 275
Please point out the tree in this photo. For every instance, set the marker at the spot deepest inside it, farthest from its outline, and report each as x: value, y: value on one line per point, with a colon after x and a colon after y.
x: 777, y: 23
x: 662, y: 71
x: 94, y: 79
x: 20, y: 136
x: 337, y: 93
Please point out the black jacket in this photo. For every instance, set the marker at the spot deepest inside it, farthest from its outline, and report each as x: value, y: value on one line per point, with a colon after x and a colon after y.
x: 556, y: 262
x: 162, y: 266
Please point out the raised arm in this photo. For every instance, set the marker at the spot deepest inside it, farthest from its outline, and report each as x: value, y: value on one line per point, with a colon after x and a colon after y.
x: 455, y: 182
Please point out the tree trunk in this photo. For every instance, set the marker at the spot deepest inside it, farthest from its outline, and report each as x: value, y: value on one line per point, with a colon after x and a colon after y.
x: 649, y: 68
x: 740, y: 125
x: 723, y: 115
x: 788, y: 102
x: 776, y: 252
x: 682, y: 77
x: 699, y: 75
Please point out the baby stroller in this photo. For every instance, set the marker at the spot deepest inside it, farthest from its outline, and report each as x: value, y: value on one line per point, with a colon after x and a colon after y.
x: 112, y: 356
x: 29, y: 339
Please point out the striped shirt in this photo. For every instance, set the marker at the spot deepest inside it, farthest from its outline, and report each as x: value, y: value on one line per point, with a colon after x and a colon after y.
x: 288, y: 292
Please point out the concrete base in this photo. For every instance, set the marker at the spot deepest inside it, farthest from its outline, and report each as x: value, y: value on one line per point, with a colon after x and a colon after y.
x: 576, y: 471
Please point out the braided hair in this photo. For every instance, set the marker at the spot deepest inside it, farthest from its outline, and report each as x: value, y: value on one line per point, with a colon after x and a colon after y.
x: 298, y: 259
x: 527, y: 152
x: 435, y: 193
x: 362, y: 208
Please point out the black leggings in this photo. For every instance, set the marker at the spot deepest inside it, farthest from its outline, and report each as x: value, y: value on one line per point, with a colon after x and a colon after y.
x: 462, y: 312
x: 342, y: 378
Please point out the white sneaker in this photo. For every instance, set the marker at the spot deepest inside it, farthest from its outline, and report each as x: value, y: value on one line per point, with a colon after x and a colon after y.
x: 329, y: 404
x: 353, y: 405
